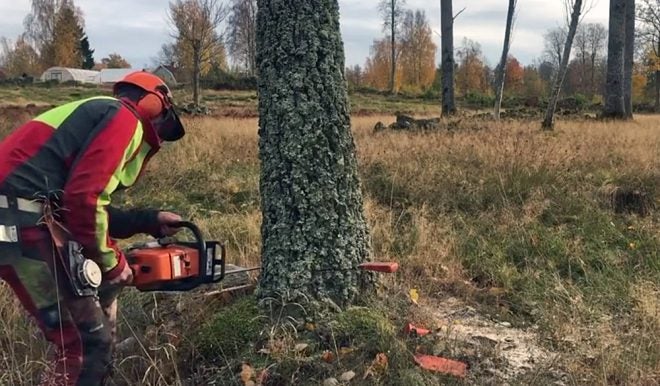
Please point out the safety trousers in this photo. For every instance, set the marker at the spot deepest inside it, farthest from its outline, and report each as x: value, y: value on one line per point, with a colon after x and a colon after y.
x: 82, y: 329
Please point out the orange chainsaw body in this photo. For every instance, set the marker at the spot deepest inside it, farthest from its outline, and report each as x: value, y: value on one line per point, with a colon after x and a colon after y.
x: 172, y: 265
x: 156, y: 266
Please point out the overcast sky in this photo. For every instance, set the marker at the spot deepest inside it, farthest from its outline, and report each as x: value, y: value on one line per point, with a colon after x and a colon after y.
x: 137, y: 29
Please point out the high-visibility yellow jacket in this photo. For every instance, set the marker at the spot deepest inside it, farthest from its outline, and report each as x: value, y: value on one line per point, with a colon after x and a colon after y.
x: 78, y: 154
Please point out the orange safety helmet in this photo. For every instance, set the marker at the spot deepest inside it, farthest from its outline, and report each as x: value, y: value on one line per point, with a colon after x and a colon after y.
x: 157, y: 103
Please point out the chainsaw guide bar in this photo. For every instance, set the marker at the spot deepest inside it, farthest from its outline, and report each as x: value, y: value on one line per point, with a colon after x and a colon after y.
x: 170, y: 265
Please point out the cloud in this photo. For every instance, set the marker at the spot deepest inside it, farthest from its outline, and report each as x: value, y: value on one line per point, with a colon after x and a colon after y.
x: 137, y: 29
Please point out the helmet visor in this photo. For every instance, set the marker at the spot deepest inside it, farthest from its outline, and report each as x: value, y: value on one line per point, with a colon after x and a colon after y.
x: 169, y: 126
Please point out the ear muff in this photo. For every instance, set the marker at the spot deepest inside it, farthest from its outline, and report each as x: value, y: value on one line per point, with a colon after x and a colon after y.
x: 152, y: 104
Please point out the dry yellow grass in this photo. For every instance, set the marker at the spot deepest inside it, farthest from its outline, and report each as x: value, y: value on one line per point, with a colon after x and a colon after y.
x: 453, y: 208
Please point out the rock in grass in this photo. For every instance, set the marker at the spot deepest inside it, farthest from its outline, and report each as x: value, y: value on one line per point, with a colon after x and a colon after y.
x: 347, y: 376
x: 379, y: 127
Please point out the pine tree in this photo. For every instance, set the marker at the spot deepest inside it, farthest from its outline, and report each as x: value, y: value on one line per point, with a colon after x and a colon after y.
x: 86, y: 52
x: 66, y: 39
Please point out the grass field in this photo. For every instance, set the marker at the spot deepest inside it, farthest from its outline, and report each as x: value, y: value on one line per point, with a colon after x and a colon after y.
x: 233, y: 104
x: 510, y: 222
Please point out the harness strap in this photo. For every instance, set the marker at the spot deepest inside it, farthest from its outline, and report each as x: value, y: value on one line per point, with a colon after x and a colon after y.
x: 24, y: 205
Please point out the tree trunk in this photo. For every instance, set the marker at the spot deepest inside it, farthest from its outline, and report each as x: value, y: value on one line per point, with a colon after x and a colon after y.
x: 629, y: 53
x: 393, y: 49
x: 314, y: 232
x: 614, y: 102
x: 592, y: 86
x: 501, y: 73
x: 657, y: 91
x: 583, y: 75
x: 196, y: 70
x: 252, y: 45
x: 548, y: 121
x: 447, y: 26
x: 657, y: 83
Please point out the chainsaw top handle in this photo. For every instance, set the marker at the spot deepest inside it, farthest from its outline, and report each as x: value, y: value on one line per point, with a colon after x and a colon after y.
x: 199, y: 239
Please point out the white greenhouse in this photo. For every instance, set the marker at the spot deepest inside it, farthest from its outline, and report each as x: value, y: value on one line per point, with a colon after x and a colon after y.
x: 113, y: 75
x: 64, y: 74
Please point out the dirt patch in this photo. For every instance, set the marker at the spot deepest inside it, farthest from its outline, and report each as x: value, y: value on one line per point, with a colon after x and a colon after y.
x: 12, y: 116
x: 627, y: 200
x: 493, y: 349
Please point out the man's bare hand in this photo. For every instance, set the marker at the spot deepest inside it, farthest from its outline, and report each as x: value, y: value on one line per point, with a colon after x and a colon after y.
x: 165, y: 220
x: 125, y: 277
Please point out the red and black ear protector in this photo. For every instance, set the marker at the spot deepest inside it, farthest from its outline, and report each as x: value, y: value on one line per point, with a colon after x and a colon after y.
x: 153, y: 104
x: 157, y: 106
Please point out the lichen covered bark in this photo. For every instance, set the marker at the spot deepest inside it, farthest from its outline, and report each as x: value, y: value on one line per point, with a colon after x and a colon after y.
x: 448, y: 63
x: 614, y: 102
x: 314, y: 231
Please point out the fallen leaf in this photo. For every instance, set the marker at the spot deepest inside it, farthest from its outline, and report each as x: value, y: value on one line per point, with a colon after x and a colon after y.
x: 328, y: 357
x: 310, y: 326
x: 247, y: 372
x: 414, y: 295
x: 331, y: 382
x: 632, y: 246
x: 347, y: 376
x: 343, y: 351
x: 300, y: 347
x: 378, y: 366
x: 381, y: 362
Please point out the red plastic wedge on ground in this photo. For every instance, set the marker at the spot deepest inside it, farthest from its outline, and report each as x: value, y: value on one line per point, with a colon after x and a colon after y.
x: 411, y: 328
x: 386, y: 267
x: 441, y: 365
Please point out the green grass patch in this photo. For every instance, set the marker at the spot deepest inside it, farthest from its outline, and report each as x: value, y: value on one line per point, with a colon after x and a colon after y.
x: 232, y: 332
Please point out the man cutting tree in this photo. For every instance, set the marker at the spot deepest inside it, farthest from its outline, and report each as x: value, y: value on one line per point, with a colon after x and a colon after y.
x: 57, y: 228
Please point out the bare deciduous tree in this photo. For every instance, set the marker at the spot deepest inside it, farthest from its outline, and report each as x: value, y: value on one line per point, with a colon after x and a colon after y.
x: 578, y: 8
x: 195, y: 24
x: 448, y: 63
x: 597, y: 40
x: 41, y: 24
x: 589, y: 44
x: 18, y: 58
x: 242, y: 39
x: 614, y: 106
x: 628, y: 58
x: 648, y: 14
x: 501, y: 70
x: 393, y: 13
x: 554, y: 41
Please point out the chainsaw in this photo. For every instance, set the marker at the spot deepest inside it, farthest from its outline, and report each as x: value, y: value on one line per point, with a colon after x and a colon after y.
x: 168, y: 265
